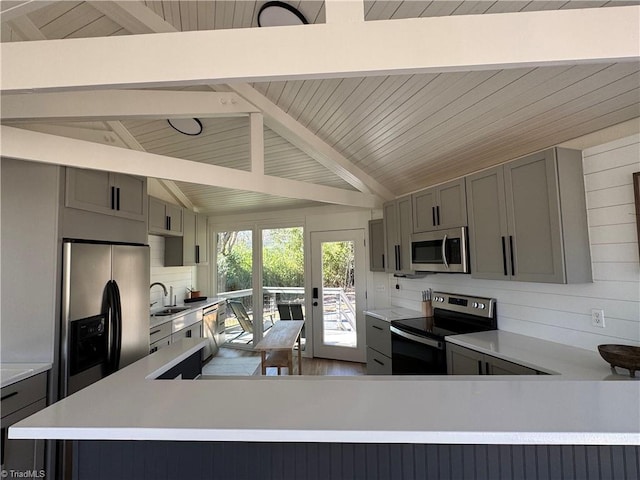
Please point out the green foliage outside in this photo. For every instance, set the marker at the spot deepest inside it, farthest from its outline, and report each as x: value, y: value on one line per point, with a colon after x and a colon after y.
x: 283, y: 260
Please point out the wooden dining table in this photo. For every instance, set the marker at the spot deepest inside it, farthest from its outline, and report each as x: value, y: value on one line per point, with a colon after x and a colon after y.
x: 276, y: 347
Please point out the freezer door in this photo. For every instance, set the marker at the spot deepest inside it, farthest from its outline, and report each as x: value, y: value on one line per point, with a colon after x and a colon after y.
x: 130, y: 270
x: 86, y: 271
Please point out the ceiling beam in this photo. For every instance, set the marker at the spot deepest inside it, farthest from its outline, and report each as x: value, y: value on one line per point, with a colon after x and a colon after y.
x: 301, y: 137
x: 275, y: 118
x: 416, y: 45
x: 134, y: 16
x: 122, y: 105
x: 10, y: 10
x: 26, y: 145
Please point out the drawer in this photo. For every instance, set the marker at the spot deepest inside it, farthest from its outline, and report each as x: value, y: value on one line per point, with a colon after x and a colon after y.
x: 185, y: 320
x: 161, y: 331
x: 379, y: 335
x: 193, y: 331
x: 163, y: 342
x: 378, y: 364
x: 23, y: 393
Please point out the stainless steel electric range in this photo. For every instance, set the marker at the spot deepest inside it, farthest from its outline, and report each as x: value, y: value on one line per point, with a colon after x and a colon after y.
x: 418, y: 344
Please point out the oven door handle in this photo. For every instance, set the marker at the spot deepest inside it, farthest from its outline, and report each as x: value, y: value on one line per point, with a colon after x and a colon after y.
x: 415, y: 338
x: 444, y: 252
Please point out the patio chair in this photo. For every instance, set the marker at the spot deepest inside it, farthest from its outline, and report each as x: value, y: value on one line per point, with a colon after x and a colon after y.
x: 293, y: 311
x: 246, y: 322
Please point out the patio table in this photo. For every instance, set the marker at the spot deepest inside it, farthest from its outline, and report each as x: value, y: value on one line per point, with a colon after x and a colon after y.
x: 279, y: 343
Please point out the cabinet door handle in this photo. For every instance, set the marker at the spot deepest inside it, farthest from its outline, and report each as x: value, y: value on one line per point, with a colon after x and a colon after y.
x: 486, y: 366
x: 513, y: 267
x: 377, y: 327
x: 438, y: 214
x: 154, y: 349
x: 433, y: 215
x: 155, y: 331
x: 378, y: 362
x: 189, y: 334
x: 12, y: 394
x: 504, y: 257
x: 197, y: 253
x: 479, y: 367
x: 118, y: 198
x: 113, y: 198
x: 383, y: 261
x: 398, y: 258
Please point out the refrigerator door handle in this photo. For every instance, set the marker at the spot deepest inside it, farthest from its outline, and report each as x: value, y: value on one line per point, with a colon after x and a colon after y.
x: 118, y: 326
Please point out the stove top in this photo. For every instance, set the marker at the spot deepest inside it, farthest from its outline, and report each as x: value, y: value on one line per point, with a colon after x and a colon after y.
x: 453, y: 314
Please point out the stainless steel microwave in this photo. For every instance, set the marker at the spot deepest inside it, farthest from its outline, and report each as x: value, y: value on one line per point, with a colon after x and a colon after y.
x: 440, y: 251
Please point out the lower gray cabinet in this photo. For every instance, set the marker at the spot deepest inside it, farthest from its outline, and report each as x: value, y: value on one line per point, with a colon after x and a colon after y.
x: 377, y: 363
x: 192, y: 331
x: 19, y: 401
x: 378, y: 346
x: 464, y: 361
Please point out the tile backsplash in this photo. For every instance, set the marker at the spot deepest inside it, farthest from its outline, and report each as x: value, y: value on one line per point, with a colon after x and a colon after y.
x: 180, y: 278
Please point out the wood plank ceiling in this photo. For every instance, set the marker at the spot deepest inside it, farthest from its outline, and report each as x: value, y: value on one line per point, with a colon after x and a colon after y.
x: 406, y: 131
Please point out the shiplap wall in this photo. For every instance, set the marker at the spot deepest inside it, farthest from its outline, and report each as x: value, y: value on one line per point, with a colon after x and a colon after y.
x: 180, y: 278
x: 562, y: 313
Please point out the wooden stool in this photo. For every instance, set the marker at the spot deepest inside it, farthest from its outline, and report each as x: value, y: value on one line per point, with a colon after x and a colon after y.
x: 278, y: 359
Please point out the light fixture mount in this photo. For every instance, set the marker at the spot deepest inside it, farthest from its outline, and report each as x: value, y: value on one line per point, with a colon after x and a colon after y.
x: 279, y: 14
x: 186, y: 126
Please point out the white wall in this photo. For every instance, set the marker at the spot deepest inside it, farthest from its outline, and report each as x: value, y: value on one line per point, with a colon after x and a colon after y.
x: 180, y: 278
x: 562, y: 313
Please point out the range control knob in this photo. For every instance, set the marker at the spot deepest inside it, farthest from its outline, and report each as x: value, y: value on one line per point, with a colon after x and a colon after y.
x: 474, y: 304
x: 481, y: 306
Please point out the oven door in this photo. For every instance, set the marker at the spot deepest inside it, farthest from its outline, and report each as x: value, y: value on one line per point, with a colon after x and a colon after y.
x: 441, y: 251
x: 415, y: 355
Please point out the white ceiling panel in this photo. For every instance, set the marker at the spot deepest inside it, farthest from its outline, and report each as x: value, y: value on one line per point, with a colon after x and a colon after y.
x: 405, y: 131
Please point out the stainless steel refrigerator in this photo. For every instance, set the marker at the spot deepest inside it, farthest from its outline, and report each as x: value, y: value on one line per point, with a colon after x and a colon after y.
x: 105, y: 310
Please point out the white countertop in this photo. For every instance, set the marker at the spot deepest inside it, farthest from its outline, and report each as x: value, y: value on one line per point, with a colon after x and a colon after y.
x: 129, y: 405
x: 11, y: 373
x: 393, y: 313
x: 155, y: 321
x: 548, y: 357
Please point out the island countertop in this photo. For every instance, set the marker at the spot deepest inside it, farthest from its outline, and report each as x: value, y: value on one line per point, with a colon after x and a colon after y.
x: 131, y: 405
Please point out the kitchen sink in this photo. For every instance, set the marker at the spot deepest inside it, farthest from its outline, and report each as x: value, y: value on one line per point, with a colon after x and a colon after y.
x: 170, y: 311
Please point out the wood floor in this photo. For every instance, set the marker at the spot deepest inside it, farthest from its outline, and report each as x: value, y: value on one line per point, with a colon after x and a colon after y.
x: 310, y: 366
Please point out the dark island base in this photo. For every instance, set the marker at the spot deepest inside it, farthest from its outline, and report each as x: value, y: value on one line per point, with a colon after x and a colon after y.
x: 158, y: 460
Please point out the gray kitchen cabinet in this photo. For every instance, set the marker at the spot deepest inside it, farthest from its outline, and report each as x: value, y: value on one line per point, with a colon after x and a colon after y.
x: 192, y: 331
x: 378, y: 346
x: 465, y: 361
x: 165, y: 219
x: 19, y: 401
x: 528, y: 220
x: 160, y: 336
x: 398, y: 227
x: 441, y: 207
x: 376, y: 246
x: 191, y: 248
x: 108, y: 193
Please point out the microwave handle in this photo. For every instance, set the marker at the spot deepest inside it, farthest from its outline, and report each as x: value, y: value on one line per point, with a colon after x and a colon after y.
x: 444, y: 252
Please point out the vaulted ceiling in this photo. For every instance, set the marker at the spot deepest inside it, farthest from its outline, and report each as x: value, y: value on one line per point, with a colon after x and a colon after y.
x: 386, y: 135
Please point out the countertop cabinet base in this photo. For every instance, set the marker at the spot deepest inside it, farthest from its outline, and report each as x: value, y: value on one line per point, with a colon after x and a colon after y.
x: 378, y: 346
x: 464, y: 361
x: 19, y: 401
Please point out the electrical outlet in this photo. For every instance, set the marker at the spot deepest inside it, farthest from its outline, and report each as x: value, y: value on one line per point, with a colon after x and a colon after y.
x: 597, y: 317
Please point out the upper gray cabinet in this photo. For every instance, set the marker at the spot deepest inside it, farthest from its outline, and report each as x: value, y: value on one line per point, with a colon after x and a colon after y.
x: 528, y: 220
x: 441, y: 207
x: 191, y: 248
x: 164, y: 218
x: 376, y: 246
x: 398, y: 227
x: 108, y: 193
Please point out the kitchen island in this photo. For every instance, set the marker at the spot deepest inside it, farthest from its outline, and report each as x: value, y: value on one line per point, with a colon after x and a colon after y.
x: 395, y: 427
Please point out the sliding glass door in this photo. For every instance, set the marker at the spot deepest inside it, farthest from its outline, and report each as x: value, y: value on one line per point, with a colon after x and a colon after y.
x: 261, y: 273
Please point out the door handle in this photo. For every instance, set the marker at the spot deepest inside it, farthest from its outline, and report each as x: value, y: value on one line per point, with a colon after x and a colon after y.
x: 118, y: 198
x: 433, y: 215
x: 513, y: 267
x: 444, y: 252
x: 504, y: 257
x: 438, y: 214
x: 113, y: 198
x: 315, y: 292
